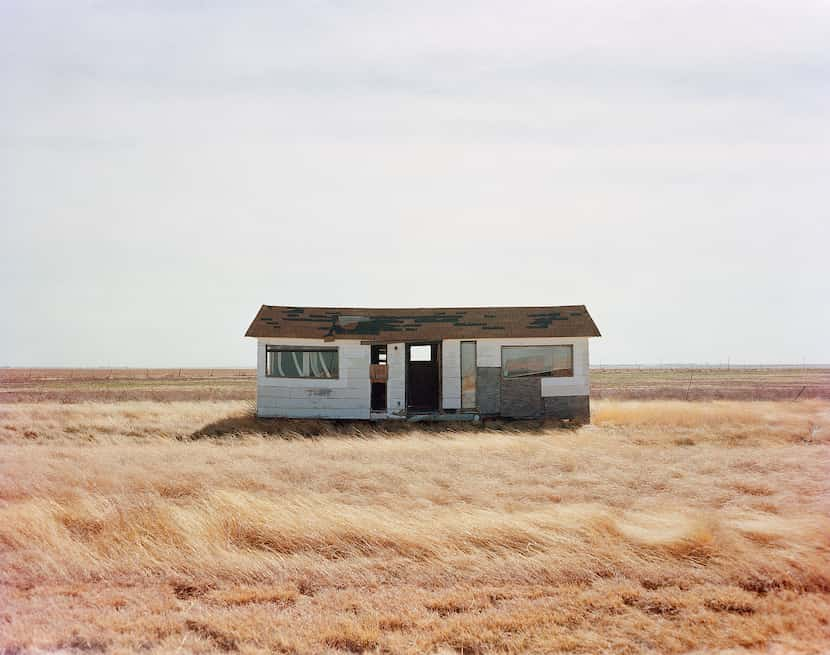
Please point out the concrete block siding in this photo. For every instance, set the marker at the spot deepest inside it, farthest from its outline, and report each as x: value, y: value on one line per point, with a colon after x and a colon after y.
x: 488, y: 390
x: 395, y: 384
x: 521, y: 398
x: 451, y: 373
x: 577, y: 408
x: 488, y: 355
x: 348, y: 396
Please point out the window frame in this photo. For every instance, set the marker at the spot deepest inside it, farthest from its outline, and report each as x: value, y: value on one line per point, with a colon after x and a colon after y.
x: 474, y: 372
x: 301, y: 349
x: 568, y: 373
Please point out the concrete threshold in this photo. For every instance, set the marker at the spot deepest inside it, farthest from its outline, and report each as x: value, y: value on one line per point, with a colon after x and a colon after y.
x: 458, y: 416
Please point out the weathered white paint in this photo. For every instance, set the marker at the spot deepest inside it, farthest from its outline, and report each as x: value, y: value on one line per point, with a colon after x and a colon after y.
x: 451, y: 373
x: 489, y: 354
x: 395, y: 394
x: 349, y: 396
x: 346, y: 397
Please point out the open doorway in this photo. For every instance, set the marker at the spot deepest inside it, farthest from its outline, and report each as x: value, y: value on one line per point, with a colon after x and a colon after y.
x: 423, y: 377
x: 379, y: 374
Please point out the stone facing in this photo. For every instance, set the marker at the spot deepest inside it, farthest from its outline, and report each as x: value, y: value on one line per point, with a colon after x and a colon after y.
x: 576, y: 408
x: 521, y: 397
x: 488, y: 379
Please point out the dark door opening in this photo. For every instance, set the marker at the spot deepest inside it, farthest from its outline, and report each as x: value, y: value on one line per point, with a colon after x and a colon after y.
x: 422, y: 377
x: 378, y: 374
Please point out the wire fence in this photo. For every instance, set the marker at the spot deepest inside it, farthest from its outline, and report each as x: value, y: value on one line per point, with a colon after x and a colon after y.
x: 618, y: 382
x: 25, y: 375
x: 712, y: 383
x: 706, y: 367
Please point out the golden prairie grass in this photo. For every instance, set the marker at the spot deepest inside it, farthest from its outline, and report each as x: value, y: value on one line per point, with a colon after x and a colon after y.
x: 119, y: 385
x: 664, y: 527
x: 776, y: 383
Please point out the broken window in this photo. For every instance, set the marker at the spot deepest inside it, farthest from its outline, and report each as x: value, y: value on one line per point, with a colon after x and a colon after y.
x: 286, y: 362
x: 378, y: 354
x: 542, y: 361
x: 378, y: 374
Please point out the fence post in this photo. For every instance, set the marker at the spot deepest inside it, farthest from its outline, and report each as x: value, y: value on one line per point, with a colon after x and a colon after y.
x: 689, y: 388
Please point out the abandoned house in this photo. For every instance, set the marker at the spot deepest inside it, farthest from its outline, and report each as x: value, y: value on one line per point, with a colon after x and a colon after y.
x: 453, y: 363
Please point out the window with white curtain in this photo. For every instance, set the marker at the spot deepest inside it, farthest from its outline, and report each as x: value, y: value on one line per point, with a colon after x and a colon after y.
x: 315, y: 363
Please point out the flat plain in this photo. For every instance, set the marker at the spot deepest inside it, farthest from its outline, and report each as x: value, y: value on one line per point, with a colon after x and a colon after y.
x: 153, y: 513
x: 101, y: 385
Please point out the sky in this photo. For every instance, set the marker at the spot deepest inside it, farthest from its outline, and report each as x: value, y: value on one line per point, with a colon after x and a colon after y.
x: 168, y: 167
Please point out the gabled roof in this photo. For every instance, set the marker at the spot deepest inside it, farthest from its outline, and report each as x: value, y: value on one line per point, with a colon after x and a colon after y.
x: 396, y: 325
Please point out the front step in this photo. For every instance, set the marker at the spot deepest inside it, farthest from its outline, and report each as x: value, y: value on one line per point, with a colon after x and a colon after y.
x: 457, y: 416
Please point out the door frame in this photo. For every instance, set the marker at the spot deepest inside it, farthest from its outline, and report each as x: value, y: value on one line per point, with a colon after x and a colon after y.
x: 438, y: 373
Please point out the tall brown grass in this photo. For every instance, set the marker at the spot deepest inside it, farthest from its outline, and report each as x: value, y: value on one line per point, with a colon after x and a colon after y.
x: 664, y: 527
x: 119, y: 385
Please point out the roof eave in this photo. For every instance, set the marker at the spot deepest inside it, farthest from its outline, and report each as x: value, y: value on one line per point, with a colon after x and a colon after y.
x: 597, y: 333
x: 250, y: 331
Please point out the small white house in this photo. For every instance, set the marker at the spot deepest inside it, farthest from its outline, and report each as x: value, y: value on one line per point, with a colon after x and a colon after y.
x: 463, y: 362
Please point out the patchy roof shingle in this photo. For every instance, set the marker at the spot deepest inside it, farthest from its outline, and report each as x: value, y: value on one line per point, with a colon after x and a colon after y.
x: 390, y: 325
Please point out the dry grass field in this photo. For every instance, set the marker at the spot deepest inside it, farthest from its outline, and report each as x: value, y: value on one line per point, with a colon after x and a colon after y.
x: 711, y: 383
x: 72, y: 385
x: 102, y: 385
x: 190, y: 527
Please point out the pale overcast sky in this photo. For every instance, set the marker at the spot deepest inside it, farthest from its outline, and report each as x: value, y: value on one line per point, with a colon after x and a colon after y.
x: 167, y: 167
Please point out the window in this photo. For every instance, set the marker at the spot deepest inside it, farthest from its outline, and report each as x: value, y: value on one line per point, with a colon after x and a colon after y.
x: 540, y: 361
x: 468, y: 374
x: 292, y: 362
x: 378, y: 354
x: 420, y: 353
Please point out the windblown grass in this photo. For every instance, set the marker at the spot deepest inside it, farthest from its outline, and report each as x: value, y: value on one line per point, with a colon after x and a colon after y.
x: 120, y: 385
x: 185, y: 527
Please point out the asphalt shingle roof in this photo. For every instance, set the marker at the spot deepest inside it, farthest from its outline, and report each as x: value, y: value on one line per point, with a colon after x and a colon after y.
x: 430, y: 324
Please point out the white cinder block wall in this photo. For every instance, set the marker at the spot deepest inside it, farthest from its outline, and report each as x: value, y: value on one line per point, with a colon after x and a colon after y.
x: 451, y: 373
x: 395, y: 395
x: 349, y: 396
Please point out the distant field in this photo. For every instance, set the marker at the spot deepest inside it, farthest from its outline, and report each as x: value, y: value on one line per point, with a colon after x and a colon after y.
x: 94, y: 384
x: 191, y: 527
x: 75, y: 385
x: 711, y: 383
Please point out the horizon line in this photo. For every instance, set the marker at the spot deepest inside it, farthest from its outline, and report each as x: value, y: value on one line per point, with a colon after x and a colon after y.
x: 724, y: 365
